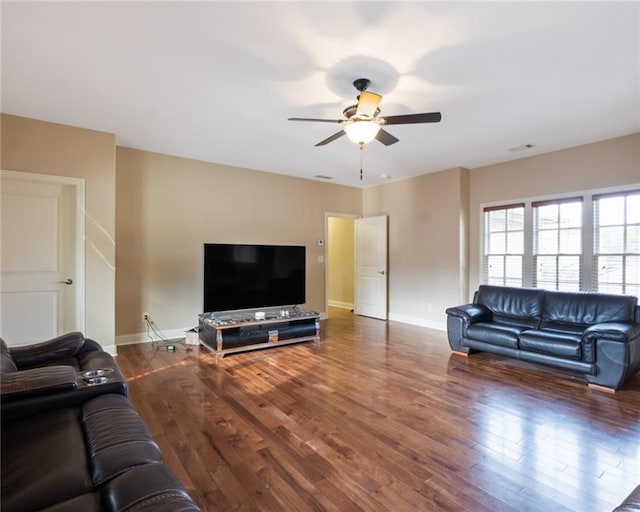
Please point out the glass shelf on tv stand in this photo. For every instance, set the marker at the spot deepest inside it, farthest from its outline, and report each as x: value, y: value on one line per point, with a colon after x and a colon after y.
x: 236, y: 317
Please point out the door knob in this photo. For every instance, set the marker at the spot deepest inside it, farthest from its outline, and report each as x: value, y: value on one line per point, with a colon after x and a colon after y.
x: 381, y: 272
x: 67, y: 281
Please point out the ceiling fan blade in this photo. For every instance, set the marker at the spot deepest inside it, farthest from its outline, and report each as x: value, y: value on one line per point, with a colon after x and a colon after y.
x: 386, y: 138
x: 429, y: 117
x: 368, y: 103
x: 316, y: 120
x: 335, y: 136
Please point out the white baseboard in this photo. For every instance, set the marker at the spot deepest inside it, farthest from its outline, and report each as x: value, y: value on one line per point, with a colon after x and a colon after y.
x: 340, y: 304
x: 178, y: 334
x: 420, y: 322
x: 170, y: 334
x: 110, y: 349
x: 142, y: 337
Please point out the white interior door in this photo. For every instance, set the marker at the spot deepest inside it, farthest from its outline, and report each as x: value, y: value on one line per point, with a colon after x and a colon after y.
x: 38, y: 259
x: 371, y: 267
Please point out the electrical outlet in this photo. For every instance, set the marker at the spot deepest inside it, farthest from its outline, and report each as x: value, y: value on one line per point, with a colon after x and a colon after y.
x: 145, y: 316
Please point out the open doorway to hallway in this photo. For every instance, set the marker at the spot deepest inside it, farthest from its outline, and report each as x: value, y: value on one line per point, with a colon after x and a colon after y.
x: 340, y: 262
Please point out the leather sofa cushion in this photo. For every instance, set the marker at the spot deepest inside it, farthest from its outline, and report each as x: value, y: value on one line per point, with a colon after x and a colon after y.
x: 61, y: 361
x: 514, y: 306
x: 93, y: 360
x: 586, y: 308
x: 85, y: 502
x: 148, y: 488
x: 577, y: 329
x: 557, y: 344
x: 56, y: 349
x: 495, y: 333
x: 44, y: 461
x: 116, y: 437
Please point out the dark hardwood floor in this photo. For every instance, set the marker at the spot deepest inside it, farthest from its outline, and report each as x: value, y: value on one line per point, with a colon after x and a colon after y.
x: 381, y: 417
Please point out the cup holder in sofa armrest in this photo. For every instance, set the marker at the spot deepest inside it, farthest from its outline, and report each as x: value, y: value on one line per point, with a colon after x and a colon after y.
x: 94, y: 381
x: 100, y: 372
x: 97, y: 376
x: 38, y: 381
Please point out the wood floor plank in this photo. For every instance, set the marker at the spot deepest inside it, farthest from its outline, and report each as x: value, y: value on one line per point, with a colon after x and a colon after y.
x: 381, y: 416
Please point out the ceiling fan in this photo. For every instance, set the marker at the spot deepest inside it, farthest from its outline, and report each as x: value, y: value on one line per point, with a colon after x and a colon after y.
x: 361, y: 121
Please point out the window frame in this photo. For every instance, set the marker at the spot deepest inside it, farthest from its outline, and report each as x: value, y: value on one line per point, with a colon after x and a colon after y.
x: 558, y: 254
x: 625, y: 253
x: 589, y: 272
x: 486, y: 256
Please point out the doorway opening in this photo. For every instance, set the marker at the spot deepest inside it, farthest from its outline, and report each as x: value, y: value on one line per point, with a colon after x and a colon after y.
x: 339, y: 262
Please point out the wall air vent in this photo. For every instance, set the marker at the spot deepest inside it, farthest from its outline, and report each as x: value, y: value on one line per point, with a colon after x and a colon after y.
x: 524, y: 147
x: 323, y: 177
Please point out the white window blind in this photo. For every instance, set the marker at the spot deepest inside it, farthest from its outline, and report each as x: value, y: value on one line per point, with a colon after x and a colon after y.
x: 503, y: 245
x: 586, y: 242
x: 557, y: 244
x: 616, y: 243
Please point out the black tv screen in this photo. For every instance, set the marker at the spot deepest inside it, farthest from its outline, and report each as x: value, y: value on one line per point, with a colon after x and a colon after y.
x: 240, y: 276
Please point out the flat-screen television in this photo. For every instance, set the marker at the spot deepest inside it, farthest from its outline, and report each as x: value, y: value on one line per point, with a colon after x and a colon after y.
x: 241, y: 276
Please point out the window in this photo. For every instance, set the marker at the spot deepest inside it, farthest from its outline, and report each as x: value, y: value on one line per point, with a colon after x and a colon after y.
x: 504, y: 245
x: 616, y: 251
x: 557, y: 244
x: 589, y: 242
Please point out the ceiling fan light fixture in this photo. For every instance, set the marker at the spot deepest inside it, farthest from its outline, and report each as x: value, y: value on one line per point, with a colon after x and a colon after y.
x: 362, y: 132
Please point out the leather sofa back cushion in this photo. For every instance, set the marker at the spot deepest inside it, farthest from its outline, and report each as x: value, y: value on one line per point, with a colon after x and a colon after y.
x: 514, y: 306
x: 53, y: 351
x: 585, y: 308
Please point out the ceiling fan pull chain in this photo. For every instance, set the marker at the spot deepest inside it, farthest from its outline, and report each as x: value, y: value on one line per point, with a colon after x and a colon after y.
x: 361, y: 148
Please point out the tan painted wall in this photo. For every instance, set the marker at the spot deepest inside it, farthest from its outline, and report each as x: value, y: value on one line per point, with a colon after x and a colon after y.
x: 610, y: 163
x: 47, y: 148
x: 167, y: 207
x: 164, y: 208
x: 427, y: 250
x: 340, y: 260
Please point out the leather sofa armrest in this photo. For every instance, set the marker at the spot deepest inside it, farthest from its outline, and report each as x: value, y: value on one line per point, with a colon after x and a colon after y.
x: 67, y: 345
x: 614, y: 331
x: 148, y: 488
x: 631, y: 502
x: 471, y: 313
x: 37, y: 381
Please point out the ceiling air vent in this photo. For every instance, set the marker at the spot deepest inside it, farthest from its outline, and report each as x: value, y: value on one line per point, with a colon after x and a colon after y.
x: 524, y: 147
x: 323, y: 177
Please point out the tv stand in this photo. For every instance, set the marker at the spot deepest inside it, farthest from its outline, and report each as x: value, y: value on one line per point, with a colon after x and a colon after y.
x: 228, y: 332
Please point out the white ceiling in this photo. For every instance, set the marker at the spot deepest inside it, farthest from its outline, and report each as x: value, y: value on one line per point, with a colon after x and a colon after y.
x: 216, y: 81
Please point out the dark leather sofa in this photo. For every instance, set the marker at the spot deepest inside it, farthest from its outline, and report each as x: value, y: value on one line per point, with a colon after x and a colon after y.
x: 631, y: 502
x: 48, y: 375
x: 595, y: 334
x: 70, y: 443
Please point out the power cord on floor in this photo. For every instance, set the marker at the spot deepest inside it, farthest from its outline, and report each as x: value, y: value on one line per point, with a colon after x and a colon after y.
x: 162, y: 341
